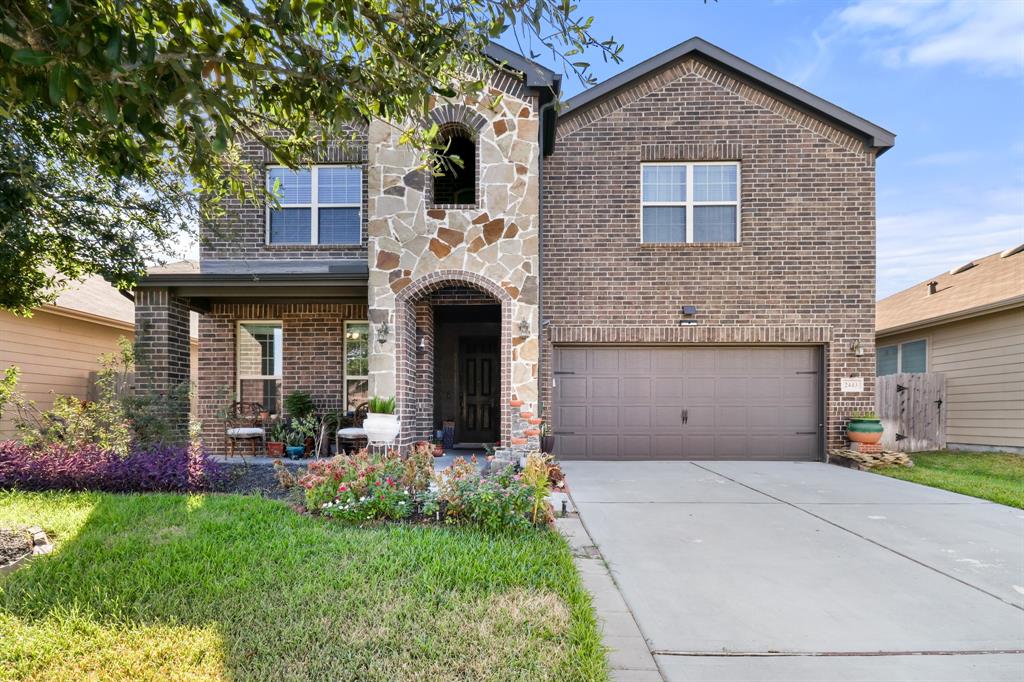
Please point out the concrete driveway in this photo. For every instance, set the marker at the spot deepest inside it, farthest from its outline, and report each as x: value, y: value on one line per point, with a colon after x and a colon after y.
x: 807, y: 571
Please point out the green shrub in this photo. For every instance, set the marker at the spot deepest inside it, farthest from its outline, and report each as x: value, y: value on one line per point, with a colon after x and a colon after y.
x: 299, y: 404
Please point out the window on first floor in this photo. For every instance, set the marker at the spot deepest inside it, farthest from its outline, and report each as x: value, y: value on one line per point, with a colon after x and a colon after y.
x: 357, y: 364
x: 907, y: 357
x: 690, y: 202
x: 317, y: 205
x: 259, y: 359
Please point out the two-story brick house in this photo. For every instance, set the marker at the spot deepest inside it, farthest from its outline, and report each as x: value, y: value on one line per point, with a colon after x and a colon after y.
x: 677, y: 263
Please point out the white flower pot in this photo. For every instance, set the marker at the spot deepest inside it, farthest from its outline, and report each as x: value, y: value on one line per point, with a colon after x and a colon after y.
x: 381, y: 428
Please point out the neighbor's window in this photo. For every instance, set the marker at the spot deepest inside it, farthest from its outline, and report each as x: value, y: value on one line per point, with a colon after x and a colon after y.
x: 690, y: 202
x: 909, y: 357
x: 357, y: 364
x: 318, y: 205
x: 259, y: 359
x: 457, y: 184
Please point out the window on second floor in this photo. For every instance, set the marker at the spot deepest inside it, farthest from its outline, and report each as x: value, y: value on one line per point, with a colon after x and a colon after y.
x: 318, y: 205
x: 456, y: 185
x: 908, y: 357
x: 690, y: 202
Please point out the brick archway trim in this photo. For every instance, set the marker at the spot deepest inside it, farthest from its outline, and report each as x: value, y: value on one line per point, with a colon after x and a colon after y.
x: 405, y: 347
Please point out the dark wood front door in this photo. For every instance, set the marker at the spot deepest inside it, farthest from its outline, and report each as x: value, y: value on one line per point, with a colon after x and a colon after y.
x: 479, y: 382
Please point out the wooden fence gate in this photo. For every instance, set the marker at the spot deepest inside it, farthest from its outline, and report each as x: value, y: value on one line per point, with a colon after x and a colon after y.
x: 913, y: 411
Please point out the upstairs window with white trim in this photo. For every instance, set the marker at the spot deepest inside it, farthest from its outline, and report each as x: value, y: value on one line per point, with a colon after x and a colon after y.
x: 690, y: 202
x: 318, y: 205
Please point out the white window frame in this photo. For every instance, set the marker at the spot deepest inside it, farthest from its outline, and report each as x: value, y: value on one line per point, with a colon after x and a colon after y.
x: 688, y: 203
x: 315, y: 205
x: 899, y: 353
x: 344, y: 350
x: 238, y: 355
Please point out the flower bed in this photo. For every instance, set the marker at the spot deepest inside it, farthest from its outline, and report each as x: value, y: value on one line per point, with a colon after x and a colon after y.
x: 367, y: 487
x: 183, y: 468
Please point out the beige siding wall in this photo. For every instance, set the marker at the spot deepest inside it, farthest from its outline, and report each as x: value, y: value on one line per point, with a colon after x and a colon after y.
x: 983, y: 361
x: 56, y: 355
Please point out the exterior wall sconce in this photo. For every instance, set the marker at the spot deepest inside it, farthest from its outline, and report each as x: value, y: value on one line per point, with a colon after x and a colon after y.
x: 856, y: 348
x: 421, y: 344
x: 382, y: 332
x: 524, y: 327
x: 688, y: 311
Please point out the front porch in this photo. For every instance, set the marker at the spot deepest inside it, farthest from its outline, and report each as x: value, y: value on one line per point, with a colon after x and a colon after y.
x: 263, y: 337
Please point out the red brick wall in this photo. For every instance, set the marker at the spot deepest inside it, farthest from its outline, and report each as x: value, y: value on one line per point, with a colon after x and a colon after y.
x: 313, y: 347
x: 804, y: 271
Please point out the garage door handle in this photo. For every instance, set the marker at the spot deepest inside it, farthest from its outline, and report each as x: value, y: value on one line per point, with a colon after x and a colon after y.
x: 807, y: 433
x: 684, y: 416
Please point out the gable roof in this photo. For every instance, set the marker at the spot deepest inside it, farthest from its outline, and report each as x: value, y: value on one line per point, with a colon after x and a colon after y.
x: 993, y: 282
x: 94, y: 297
x: 877, y: 137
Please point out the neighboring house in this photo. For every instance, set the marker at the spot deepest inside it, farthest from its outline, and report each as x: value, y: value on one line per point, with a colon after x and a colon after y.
x: 58, y: 348
x: 677, y: 263
x: 967, y: 324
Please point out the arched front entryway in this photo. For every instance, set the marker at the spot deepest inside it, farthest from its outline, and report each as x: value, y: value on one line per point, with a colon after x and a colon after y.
x: 451, y: 326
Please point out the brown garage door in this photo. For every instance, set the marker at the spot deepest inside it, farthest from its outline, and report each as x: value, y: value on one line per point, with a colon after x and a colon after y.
x: 687, y: 403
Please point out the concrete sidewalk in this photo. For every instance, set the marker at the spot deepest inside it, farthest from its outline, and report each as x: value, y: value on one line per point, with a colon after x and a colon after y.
x: 806, y: 571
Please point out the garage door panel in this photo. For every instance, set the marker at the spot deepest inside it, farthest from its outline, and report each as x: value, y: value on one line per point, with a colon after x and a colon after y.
x: 668, y: 389
x: 636, y: 388
x: 604, y: 361
x: 604, y: 416
x: 636, y: 416
x: 604, y: 390
x: 740, y: 403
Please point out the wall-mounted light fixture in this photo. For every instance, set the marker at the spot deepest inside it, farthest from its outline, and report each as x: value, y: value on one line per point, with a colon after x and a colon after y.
x: 689, y: 310
x: 856, y: 348
x: 421, y: 344
x: 382, y: 332
x: 524, y: 327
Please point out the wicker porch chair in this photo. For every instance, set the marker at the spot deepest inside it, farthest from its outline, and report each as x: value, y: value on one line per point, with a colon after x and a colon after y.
x: 352, y: 435
x: 244, y: 423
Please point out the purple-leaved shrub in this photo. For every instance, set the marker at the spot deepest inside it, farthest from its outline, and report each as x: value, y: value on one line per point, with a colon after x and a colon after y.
x: 179, y: 468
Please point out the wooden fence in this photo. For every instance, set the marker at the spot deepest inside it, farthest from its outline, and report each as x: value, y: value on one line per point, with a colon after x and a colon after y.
x: 913, y: 411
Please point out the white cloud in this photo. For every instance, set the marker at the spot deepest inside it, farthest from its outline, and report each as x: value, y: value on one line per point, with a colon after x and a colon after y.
x: 985, y: 34
x: 915, y: 246
x: 952, y: 158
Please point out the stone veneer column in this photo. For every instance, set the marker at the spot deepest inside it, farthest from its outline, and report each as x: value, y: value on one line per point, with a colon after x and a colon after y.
x: 162, y: 356
x: 492, y: 246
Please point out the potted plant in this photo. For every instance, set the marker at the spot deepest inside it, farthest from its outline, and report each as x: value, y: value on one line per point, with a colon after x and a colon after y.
x: 864, y: 427
x: 438, y: 448
x: 275, y: 438
x: 547, y: 441
x: 299, y: 404
x: 381, y: 423
x: 295, y: 442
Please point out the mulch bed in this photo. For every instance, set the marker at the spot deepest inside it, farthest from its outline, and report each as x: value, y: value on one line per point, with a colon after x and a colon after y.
x: 252, y: 479
x: 14, y: 544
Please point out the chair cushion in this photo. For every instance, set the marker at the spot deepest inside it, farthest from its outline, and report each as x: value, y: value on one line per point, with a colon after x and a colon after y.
x: 245, y: 432
x: 352, y: 432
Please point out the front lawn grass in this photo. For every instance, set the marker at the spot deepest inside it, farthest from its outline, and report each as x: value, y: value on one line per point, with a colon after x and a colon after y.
x: 994, y: 476
x: 162, y: 586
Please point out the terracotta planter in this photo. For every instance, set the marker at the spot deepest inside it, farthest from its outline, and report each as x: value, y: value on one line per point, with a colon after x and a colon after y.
x: 515, y: 402
x: 518, y: 441
x: 438, y: 450
x: 867, y: 431
x: 531, y: 432
x: 536, y: 421
x: 275, y: 449
x: 526, y: 415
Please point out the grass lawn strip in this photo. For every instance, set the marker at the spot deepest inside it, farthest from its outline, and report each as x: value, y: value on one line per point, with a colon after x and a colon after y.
x: 994, y: 476
x: 223, y: 586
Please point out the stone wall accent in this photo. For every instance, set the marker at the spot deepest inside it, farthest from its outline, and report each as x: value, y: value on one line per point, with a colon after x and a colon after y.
x: 416, y: 248
x: 313, y: 335
x: 804, y: 271
x: 162, y: 355
x: 240, y: 233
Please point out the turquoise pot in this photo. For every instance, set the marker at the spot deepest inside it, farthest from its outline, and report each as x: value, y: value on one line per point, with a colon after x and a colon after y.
x: 296, y: 451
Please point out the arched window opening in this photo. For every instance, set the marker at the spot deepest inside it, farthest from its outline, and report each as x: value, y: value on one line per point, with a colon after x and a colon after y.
x: 457, y: 184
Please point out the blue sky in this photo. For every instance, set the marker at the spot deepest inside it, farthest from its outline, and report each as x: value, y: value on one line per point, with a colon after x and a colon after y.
x: 946, y: 76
